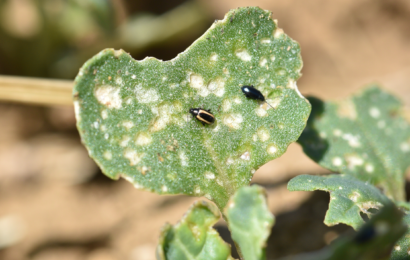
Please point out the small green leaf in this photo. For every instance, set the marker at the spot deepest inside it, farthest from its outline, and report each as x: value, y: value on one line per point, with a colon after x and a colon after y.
x: 348, y: 197
x: 402, y: 249
x: 364, y: 136
x: 133, y: 116
x: 374, y: 240
x: 193, y: 238
x: 249, y: 221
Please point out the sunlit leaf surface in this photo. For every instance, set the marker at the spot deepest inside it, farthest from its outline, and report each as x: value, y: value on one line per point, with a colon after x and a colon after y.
x: 133, y: 116
x: 348, y: 197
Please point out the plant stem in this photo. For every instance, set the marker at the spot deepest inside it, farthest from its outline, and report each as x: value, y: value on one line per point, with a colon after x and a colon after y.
x: 36, y: 91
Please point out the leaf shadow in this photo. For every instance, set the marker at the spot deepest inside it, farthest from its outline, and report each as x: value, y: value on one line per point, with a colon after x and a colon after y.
x: 302, y: 230
x: 313, y: 144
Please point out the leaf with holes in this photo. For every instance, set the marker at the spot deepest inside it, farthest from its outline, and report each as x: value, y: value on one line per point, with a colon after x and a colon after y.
x: 374, y: 240
x: 133, y: 116
x: 249, y: 221
x: 364, y: 136
x: 348, y: 197
x: 193, y: 237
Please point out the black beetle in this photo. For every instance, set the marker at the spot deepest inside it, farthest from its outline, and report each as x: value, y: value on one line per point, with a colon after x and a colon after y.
x: 253, y: 93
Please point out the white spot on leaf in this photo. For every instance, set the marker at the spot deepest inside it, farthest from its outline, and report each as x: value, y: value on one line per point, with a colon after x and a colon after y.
x: 217, y: 87
x: 183, y: 158
x: 166, y: 115
x: 143, y: 139
x: 337, y: 132
x: 405, y: 147
x: 226, y: 105
x: 107, y: 155
x: 261, y: 112
x: 353, y: 161
x: 369, y: 168
x: 243, y: 55
x: 124, y: 141
x: 196, y: 81
x: 265, y: 41
x: 374, y: 112
x: 104, y: 114
x: 209, y: 175
x: 272, y: 149
x: 263, y: 62
x: 263, y: 134
x: 229, y: 161
x: 214, y: 57
x: 337, y: 161
x: 246, y: 156
x: 128, y: 100
x: 233, y: 120
x: 197, y: 189
x: 273, y: 102
x: 347, y: 109
x: 272, y: 58
x: 145, y: 96
x: 127, y: 124
x: 277, y: 33
x: 133, y: 156
x: 119, y: 81
x: 353, y: 140
x: 108, y: 96
x: 354, y: 196
x: 220, y: 182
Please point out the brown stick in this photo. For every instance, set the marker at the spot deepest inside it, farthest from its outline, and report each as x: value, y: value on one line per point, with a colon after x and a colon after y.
x: 36, y: 91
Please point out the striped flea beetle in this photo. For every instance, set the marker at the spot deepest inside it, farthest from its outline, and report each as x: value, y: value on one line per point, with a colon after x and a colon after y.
x: 202, y: 115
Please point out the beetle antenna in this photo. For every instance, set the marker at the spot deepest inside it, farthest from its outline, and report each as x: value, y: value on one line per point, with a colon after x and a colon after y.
x: 270, y: 105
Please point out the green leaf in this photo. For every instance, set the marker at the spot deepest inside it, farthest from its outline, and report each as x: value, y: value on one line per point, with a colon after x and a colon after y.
x: 132, y: 115
x: 364, y: 136
x: 193, y: 237
x: 374, y: 240
x: 249, y: 221
x: 348, y: 197
x: 402, y: 249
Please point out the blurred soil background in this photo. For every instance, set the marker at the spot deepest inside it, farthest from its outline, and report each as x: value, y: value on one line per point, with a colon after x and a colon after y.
x: 54, y: 201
